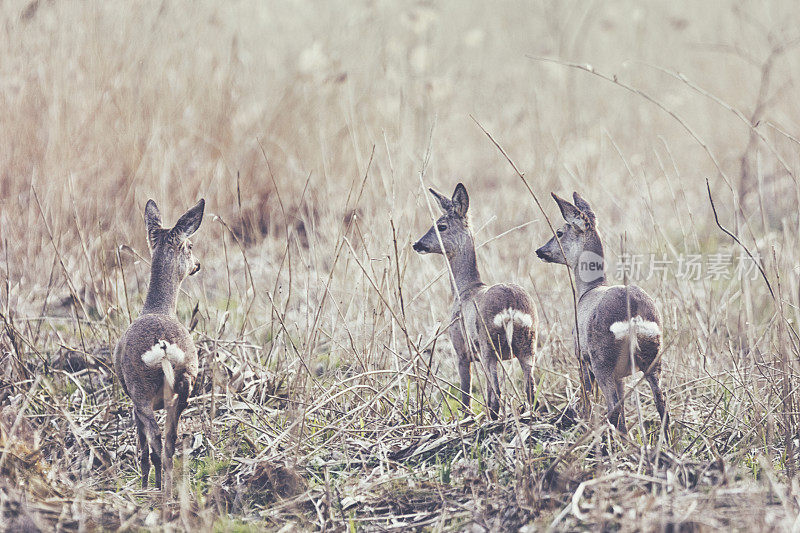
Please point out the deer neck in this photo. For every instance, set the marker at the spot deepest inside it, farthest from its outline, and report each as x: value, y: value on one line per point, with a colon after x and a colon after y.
x: 162, y: 293
x: 465, y: 269
x: 590, y: 270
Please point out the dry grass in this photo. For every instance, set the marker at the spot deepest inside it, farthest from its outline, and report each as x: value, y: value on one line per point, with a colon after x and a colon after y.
x: 327, y: 385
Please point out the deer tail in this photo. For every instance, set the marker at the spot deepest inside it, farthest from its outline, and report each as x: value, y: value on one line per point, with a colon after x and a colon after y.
x: 508, y: 317
x: 168, y: 356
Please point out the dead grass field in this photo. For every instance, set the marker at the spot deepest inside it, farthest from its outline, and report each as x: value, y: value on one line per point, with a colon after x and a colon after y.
x: 326, y: 393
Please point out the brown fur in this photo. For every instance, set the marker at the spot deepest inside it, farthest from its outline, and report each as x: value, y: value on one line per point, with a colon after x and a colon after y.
x: 605, y: 357
x: 473, y: 333
x: 146, y: 385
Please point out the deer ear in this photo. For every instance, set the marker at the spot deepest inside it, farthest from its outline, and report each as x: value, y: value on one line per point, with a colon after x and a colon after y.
x: 152, y: 219
x: 583, y: 206
x: 189, y: 221
x: 571, y: 214
x: 460, y: 200
x: 444, y: 202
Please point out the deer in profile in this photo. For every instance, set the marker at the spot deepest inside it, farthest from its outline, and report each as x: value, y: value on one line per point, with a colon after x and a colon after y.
x: 156, y: 359
x: 612, y: 321
x: 487, y: 322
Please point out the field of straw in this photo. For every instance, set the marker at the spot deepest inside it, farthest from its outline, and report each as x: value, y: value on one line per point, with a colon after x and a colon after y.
x: 327, y: 397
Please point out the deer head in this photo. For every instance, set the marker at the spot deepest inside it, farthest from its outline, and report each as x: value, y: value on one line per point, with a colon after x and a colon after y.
x: 452, y: 227
x: 577, y: 243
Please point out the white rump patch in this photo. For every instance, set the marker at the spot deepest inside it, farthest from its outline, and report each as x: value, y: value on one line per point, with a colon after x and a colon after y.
x: 154, y: 355
x: 167, y: 355
x: 507, y: 318
x: 641, y: 327
x: 515, y: 316
x: 162, y: 349
x: 175, y: 355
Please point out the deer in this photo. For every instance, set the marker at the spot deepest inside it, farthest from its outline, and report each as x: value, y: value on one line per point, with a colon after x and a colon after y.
x: 613, y: 322
x: 156, y: 359
x: 487, y: 322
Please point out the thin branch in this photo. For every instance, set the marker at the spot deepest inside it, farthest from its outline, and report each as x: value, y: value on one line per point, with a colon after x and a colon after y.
x: 736, y: 239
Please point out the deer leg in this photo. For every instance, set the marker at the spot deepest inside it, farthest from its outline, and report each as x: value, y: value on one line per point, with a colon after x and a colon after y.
x: 587, y: 382
x: 658, y: 398
x: 143, y: 449
x: 621, y: 406
x: 174, y: 404
x: 464, y: 360
x: 617, y: 415
x: 147, y: 418
x: 466, y: 381
x: 613, y: 392
x: 489, y: 361
x: 184, y: 390
x: 586, y: 376
x: 170, y: 436
x: 527, y: 374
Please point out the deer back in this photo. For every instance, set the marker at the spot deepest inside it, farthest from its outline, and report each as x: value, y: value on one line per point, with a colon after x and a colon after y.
x: 605, y: 312
x: 153, y: 332
x: 488, y: 311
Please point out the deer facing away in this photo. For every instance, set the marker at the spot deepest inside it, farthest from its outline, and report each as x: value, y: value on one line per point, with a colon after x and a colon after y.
x: 487, y: 322
x: 612, y: 320
x: 156, y: 359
